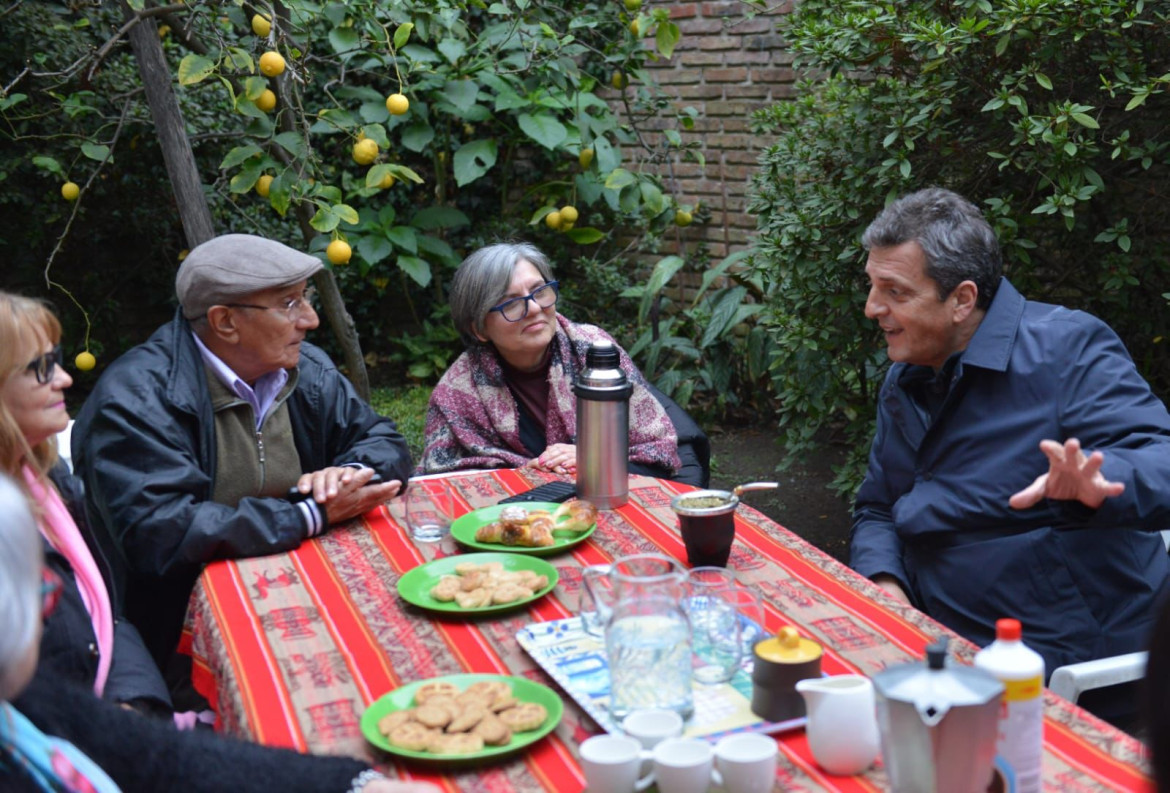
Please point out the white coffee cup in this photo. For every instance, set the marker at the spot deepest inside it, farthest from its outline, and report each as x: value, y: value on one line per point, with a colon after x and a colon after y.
x: 746, y: 763
x: 683, y: 765
x: 612, y: 763
x: 652, y: 726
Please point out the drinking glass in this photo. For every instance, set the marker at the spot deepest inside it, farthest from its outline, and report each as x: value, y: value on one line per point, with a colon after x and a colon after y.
x: 750, y: 608
x: 429, y: 509
x: 715, y: 631
x: 595, y: 600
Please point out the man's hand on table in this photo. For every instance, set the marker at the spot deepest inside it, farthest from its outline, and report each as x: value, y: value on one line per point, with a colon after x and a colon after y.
x: 345, y: 491
x: 559, y: 458
x: 893, y: 588
x: 1071, y: 477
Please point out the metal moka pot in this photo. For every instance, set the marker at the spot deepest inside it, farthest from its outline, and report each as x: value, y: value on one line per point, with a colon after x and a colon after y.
x: 938, y: 724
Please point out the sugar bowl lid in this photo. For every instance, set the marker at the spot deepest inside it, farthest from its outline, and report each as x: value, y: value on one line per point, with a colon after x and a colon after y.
x: 786, y: 647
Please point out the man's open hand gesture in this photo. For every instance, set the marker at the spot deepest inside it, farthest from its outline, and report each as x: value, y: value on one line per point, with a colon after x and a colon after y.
x: 1071, y: 477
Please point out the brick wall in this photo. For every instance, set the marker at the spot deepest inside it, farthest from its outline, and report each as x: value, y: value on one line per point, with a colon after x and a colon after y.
x: 725, y: 66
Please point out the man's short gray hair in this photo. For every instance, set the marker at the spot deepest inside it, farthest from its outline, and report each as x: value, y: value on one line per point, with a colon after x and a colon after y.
x: 957, y: 240
x: 21, y: 560
x: 482, y: 280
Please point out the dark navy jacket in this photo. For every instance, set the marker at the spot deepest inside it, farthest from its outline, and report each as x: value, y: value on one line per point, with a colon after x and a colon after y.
x: 933, y: 509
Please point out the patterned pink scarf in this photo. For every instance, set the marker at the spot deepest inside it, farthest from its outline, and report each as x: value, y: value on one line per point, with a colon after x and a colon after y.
x: 473, y: 420
x: 59, y: 528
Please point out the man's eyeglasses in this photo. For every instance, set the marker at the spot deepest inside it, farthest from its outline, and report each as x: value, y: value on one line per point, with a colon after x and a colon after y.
x: 292, y: 307
x: 43, y: 366
x: 516, y: 309
x: 51, y: 586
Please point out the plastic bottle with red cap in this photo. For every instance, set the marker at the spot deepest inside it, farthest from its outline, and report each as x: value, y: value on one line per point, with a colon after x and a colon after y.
x: 1020, y: 745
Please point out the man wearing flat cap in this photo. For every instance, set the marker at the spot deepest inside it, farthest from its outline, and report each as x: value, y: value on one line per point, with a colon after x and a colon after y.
x: 191, y: 442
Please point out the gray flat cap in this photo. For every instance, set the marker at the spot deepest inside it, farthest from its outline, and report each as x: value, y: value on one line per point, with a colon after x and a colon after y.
x: 224, y: 269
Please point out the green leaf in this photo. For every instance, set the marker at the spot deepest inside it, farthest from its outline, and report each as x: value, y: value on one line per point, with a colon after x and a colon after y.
x: 375, y: 175
x: 293, y: 143
x: 664, y: 270
x: 438, y: 249
x: 607, y: 155
x: 417, y: 136
x: 452, y: 49
x: 586, y: 235
x: 666, y: 37
x: 254, y: 86
x: 344, y: 40
x: 1043, y: 80
x: 473, y: 160
x: 402, y: 34
x: 404, y: 237
x: 195, y: 68
x: 652, y: 197
x: 416, y: 268
x: 1138, y: 100
x: 325, y: 220
x: 238, y: 155
x: 49, y: 164
x: 544, y: 129
x: 95, y: 151
x: 461, y: 93
x: 280, y: 191
x: 439, y: 218
x: 246, y: 178
x: 402, y: 172
x: 619, y: 178
x: 346, y: 214
x: 1086, y: 121
x: 374, y: 248
x: 12, y: 100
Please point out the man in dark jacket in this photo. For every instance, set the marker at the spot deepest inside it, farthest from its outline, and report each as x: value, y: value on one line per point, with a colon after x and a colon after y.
x: 978, y: 502
x: 190, y: 443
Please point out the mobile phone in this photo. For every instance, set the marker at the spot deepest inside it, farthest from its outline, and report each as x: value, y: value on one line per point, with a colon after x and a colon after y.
x: 556, y: 491
x: 295, y: 495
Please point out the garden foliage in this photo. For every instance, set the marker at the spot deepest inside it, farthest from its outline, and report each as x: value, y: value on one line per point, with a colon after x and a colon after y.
x: 1052, y: 115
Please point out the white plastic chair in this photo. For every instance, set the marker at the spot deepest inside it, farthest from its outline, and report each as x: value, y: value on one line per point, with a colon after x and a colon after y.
x: 1072, y: 680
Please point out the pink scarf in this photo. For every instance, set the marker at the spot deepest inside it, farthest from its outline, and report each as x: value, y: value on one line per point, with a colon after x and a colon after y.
x: 59, y: 528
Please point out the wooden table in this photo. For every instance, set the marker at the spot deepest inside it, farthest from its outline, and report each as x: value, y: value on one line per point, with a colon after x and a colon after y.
x: 291, y: 648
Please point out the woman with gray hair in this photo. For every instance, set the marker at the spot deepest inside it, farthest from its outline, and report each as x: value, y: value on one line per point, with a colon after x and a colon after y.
x: 508, y: 400
x: 57, y: 736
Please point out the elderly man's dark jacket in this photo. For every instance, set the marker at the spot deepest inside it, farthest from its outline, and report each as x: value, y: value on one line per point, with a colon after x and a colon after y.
x: 144, y: 444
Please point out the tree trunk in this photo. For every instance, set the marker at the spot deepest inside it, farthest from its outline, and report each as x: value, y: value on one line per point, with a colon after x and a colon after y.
x: 172, y: 134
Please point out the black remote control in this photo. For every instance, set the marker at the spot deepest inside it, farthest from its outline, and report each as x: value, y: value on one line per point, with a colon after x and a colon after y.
x: 548, y: 492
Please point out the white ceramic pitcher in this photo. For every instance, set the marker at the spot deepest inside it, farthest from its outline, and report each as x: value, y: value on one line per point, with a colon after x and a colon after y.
x: 842, y: 722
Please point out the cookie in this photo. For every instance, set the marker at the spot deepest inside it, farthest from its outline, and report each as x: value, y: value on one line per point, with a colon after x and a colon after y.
x: 412, y: 736
x: 524, y: 716
x: 493, y: 731
x: 510, y: 593
x: 433, y: 688
x: 447, y: 588
x: 434, y: 716
x: 476, y: 598
x: 491, y: 690
x: 467, y: 717
x: 391, y: 720
x: 455, y: 743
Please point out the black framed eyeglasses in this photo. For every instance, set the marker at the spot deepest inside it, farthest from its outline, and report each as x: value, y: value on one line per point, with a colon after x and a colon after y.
x: 516, y: 309
x: 292, y: 307
x: 43, y: 366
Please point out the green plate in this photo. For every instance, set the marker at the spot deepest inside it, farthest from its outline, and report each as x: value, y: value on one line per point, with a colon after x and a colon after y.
x: 415, y: 585
x: 403, y: 697
x: 465, y: 527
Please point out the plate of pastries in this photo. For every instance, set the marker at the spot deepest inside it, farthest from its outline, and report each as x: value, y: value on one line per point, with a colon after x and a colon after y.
x: 462, y: 717
x: 536, y: 528
x: 477, y: 582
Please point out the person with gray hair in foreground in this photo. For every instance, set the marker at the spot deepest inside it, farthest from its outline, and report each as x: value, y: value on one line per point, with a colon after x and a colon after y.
x: 226, y: 434
x: 1021, y: 465
x: 56, y: 735
x: 508, y: 400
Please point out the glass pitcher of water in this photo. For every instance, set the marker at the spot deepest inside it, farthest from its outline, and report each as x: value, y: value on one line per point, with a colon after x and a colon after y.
x: 648, y: 637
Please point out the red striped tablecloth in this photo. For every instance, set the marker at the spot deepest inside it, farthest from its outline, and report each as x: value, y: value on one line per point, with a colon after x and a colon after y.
x: 291, y: 648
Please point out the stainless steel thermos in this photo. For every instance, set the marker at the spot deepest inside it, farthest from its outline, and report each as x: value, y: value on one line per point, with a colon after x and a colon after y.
x: 603, y: 428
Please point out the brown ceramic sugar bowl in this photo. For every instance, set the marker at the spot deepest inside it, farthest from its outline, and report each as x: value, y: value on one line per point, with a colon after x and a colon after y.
x: 779, y: 663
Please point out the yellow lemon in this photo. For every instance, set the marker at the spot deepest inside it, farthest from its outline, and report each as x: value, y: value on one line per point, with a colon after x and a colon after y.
x: 261, y: 25
x: 633, y: 5
x: 365, y: 151
x: 618, y: 80
x: 585, y: 157
x: 163, y: 30
x: 397, y: 104
x: 387, y: 181
x: 263, y: 184
x: 566, y: 225
x: 266, y: 101
x: 271, y: 64
x: 339, y: 252
x: 636, y: 29
x: 683, y: 218
x: 70, y: 191
x: 553, y: 220
x: 183, y: 254
x: 85, y: 361
x: 569, y: 214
